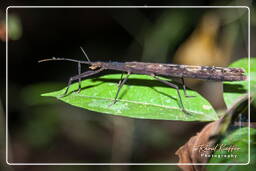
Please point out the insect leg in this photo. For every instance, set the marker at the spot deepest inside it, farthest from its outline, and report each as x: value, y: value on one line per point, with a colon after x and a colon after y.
x: 80, y: 76
x: 120, y: 85
x: 173, y: 86
x: 184, y: 88
x: 121, y: 79
x: 79, y: 80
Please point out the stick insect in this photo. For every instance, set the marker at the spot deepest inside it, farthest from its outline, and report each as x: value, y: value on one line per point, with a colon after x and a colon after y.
x: 154, y: 70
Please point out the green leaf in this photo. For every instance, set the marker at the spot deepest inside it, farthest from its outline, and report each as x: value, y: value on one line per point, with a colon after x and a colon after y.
x: 238, y: 138
x: 142, y: 97
x: 253, y: 76
x: 236, y: 89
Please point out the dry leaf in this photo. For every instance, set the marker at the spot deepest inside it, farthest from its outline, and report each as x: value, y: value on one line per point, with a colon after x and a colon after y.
x: 191, y: 153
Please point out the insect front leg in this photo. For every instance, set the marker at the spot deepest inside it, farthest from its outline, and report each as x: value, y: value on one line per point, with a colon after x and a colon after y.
x: 79, y: 80
x: 184, y: 88
x: 173, y: 86
x: 120, y: 85
x: 121, y: 79
x: 79, y: 77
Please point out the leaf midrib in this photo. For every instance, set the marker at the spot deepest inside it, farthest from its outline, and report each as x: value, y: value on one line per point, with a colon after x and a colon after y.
x: 143, y: 103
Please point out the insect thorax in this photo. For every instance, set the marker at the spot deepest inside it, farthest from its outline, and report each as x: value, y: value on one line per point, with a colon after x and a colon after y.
x: 95, y: 65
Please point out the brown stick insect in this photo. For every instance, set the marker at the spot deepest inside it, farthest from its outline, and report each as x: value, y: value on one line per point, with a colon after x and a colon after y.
x: 154, y: 70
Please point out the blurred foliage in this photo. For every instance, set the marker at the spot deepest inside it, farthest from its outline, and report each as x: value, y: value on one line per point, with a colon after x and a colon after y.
x: 31, y: 94
x: 238, y: 138
x: 234, y: 90
x: 41, y: 130
x: 14, y: 27
x: 162, y: 37
x: 202, y: 47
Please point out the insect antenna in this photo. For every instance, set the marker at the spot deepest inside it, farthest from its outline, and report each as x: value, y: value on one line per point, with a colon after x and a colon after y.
x: 63, y: 59
x: 85, y: 54
x: 66, y: 59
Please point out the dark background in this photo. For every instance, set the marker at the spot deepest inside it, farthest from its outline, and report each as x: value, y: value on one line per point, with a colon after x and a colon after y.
x: 42, y: 129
